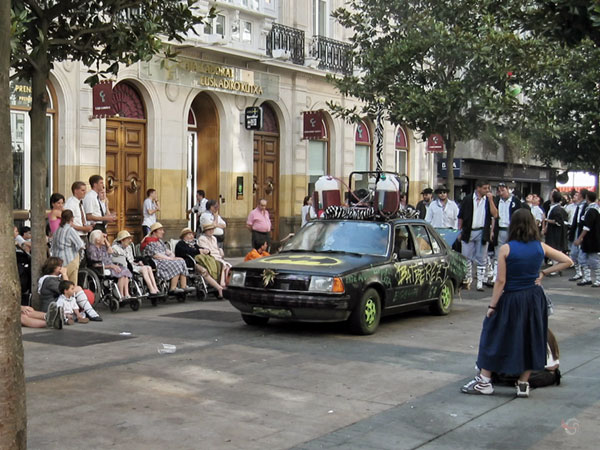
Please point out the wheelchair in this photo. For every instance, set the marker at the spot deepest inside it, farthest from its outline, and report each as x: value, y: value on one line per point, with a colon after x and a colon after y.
x: 94, y: 276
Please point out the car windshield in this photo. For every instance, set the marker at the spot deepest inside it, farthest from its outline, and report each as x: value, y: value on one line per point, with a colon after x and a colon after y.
x: 365, y: 238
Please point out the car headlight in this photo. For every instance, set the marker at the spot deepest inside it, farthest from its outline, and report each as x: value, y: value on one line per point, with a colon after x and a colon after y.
x: 237, y: 278
x: 326, y: 284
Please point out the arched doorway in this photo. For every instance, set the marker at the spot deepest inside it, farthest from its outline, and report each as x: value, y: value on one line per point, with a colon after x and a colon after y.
x: 203, y: 150
x: 266, y: 165
x: 126, y: 160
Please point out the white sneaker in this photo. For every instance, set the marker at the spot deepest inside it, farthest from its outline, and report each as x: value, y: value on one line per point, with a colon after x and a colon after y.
x: 478, y: 386
x: 479, y: 285
x: 522, y: 389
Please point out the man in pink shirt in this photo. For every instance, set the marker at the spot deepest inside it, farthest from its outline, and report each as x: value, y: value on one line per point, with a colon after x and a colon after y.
x: 259, y: 223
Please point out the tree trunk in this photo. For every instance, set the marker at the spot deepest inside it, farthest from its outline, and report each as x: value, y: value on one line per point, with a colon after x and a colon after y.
x: 39, y: 170
x: 13, y: 415
x: 450, y: 146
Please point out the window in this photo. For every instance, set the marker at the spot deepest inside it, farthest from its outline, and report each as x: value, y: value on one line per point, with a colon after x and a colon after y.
x: 320, y: 17
x: 401, y: 146
x: 317, y: 162
x: 247, y: 31
x: 215, y: 26
x: 403, y: 242
x: 423, y: 242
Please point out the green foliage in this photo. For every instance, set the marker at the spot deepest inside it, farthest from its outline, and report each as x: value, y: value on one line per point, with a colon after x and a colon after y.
x: 440, y: 67
x: 110, y: 32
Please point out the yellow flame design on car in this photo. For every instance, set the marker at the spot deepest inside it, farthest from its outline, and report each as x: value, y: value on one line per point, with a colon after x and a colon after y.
x: 302, y: 260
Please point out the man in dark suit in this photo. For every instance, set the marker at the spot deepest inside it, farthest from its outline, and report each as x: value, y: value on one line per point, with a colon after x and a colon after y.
x: 507, y: 204
x: 589, y: 242
x: 476, y: 222
x: 422, y: 206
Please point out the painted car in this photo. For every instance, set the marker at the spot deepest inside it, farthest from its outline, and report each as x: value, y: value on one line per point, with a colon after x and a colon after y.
x: 350, y: 270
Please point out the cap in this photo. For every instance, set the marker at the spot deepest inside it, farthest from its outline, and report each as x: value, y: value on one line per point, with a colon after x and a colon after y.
x: 427, y: 191
x: 208, y: 226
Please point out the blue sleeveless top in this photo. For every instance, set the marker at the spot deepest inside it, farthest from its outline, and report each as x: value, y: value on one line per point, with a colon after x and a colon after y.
x: 523, y: 265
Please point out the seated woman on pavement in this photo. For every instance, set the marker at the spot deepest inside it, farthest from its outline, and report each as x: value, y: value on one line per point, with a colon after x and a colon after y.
x: 53, y: 273
x: 205, y: 264
x: 208, y: 241
x: 122, y: 249
x: 168, y: 266
x: 100, y: 252
x: 259, y: 251
x: 37, y: 319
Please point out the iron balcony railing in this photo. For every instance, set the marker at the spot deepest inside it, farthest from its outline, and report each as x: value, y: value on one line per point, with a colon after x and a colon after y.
x: 285, y: 42
x: 332, y: 55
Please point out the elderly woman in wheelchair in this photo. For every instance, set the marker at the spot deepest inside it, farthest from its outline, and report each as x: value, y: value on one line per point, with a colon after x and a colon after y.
x: 122, y: 248
x: 199, y: 259
x: 99, y: 252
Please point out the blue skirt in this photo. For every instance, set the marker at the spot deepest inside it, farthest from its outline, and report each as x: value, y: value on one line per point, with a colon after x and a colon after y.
x: 514, y: 339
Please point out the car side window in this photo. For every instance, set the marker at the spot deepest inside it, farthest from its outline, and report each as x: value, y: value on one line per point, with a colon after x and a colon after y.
x: 423, y: 241
x: 435, y: 245
x: 403, y: 243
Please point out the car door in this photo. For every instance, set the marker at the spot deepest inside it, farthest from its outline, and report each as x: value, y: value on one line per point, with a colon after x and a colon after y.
x: 407, y: 267
x: 434, y: 261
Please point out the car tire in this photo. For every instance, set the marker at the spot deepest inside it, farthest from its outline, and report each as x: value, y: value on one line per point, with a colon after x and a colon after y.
x: 256, y: 321
x: 443, y: 305
x: 365, y: 318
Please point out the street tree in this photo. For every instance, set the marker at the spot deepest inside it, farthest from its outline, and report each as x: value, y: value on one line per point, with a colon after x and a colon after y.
x: 13, y: 417
x: 437, y: 67
x: 102, y: 36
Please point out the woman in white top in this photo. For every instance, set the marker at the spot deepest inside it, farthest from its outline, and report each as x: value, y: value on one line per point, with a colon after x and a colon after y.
x: 151, y: 207
x: 122, y: 248
x: 308, y: 212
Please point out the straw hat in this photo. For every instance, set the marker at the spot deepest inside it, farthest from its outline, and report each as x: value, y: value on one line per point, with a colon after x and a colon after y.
x: 155, y: 226
x: 185, y: 231
x: 123, y: 234
x: 209, y: 226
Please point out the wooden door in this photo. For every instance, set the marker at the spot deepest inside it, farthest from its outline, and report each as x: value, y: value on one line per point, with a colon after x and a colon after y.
x: 266, y: 176
x: 207, y: 129
x: 126, y: 174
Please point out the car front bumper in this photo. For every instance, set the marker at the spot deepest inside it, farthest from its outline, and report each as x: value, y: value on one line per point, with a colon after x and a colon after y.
x: 290, y: 306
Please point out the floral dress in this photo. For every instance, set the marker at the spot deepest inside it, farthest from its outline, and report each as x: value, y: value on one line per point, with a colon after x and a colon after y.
x: 100, y: 254
x: 165, y: 269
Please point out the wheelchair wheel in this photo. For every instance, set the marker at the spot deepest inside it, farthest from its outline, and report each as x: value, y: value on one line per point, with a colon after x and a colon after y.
x: 113, y: 303
x: 200, y: 294
x: 135, y: 303
x: 88, y: 279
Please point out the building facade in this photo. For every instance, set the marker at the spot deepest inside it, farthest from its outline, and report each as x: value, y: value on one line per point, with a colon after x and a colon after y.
x: 180, y: 125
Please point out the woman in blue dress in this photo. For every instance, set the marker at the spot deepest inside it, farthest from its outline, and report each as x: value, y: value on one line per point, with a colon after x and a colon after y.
x: 514, y: 334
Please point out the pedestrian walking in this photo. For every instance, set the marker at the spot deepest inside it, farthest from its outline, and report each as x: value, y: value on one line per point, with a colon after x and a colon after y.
x: 514, y: 335
x: 150, y: 208
x: 442, y: 212
x: 475, y: 220
x: 589, y: 243
x: 575, y: 230
x: 507, y: 204
x: 198, y: 209
x: 259, y: 223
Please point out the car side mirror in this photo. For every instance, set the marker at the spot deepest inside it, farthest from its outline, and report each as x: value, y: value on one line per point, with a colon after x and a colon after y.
x: 403, y: 254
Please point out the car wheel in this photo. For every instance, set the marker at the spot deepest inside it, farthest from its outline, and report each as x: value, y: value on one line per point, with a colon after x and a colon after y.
x: 365, y: 317
x: 443, y: 304
x: 255, y: 320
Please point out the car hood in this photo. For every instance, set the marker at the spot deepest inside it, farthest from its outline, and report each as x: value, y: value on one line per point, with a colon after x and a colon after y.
x: 311, y: 262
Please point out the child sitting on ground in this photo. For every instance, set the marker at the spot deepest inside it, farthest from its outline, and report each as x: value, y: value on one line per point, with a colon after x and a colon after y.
x: 69, y: 304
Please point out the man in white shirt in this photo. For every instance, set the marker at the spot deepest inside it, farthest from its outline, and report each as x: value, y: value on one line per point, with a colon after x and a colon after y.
x: 211, y: 216
x: 442, y: 213
x: 199, y: 208
x: 150, y: 208
x: 476, y: 221
x: 75, y: 204
x: 92, y: 207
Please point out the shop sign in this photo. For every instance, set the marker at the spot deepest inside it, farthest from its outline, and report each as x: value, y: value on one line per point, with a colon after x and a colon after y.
x: 20, y: 93
x: 314, y: 126
x: 102, y: 96
x: 362, y: 134
x: 443, y: 168
x: 435, y: 143
x: 253, y: 118
x: 209, y: 75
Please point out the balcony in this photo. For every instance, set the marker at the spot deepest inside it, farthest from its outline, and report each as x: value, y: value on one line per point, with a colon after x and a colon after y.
x: 332, y: 55
x: 286, y: 43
